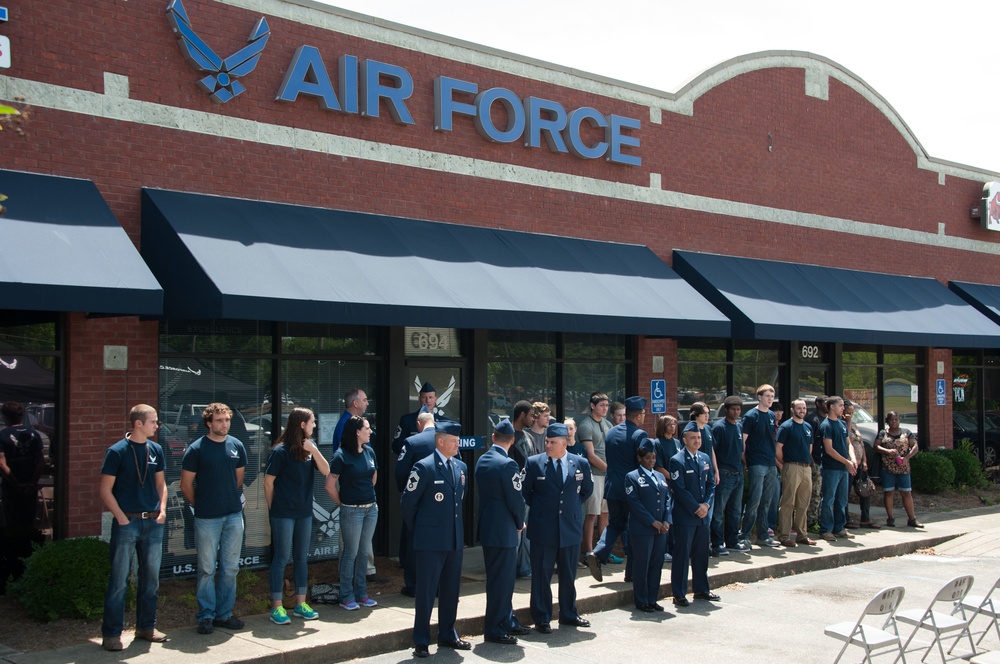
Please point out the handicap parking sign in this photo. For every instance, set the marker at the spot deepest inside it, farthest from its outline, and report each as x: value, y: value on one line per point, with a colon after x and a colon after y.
x: 942, y: 393
x: 658, y: 396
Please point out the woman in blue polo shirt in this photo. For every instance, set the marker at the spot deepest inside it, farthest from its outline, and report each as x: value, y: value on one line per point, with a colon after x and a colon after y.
x: 351, y: 484
x: 288, y: 489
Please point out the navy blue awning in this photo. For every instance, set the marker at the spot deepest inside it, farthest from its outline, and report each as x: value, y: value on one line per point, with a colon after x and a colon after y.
x: 983, y: 297
x: 61, y: 249
x: 241, y: 259
x: 793, y: 302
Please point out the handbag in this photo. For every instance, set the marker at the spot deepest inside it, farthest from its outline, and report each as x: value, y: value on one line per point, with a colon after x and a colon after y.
x: 863, y: 485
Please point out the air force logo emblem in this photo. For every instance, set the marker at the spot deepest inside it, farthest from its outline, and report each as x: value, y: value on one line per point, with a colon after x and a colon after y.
x: 221, y: 82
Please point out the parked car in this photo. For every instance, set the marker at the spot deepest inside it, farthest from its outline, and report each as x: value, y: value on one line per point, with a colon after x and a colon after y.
x: 964, y: 425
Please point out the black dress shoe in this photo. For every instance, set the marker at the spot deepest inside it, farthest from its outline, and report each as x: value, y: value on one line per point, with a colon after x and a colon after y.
x: 457, y: 644
x: 594, y: 565
x: 710, y: 596
x: 504, y: 639
x: 409, y: 592
x: 682, y: 601
x: 647, y: 608
x: 520, y: 630
x: 657, y: 606
x: 421, y: 651
x: 575, y: 622
x: 544, y: 628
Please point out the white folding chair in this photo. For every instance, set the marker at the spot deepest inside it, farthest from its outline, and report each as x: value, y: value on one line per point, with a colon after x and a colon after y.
x: 869, y: 637
x: 981, y: 605
x: 941, y: 623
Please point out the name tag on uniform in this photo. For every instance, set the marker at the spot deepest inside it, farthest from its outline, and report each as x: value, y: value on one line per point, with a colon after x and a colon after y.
x: 438, y: 481
x: 689, y: 471
x: 540, y: 477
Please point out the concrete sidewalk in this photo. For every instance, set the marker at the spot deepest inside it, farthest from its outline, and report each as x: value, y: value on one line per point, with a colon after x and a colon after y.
x: 340, y: 635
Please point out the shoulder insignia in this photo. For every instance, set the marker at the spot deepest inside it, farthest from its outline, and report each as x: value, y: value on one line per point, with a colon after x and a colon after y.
x: 402, y: 454
x: 413, y: 481
x: 399, y: 431
x: 516, y: 481
x: 629, y: 488
x: 675, y: 475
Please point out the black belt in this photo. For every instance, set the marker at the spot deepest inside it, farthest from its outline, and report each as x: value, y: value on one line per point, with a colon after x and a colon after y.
x: 798, y: 463
x: 142, y: 515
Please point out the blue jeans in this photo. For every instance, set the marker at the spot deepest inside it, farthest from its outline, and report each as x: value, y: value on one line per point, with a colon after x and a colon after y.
x: 218, y: 540
x: 290, y: 538
x: 728, y: 506
x: 832, y: 518
x: 358, y: 527
x: 763, y: 489
x: 144, y: 537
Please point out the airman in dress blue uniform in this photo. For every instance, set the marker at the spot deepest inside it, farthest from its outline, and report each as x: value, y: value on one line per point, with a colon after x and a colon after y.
x: 501, y: 518
x: 408, y: 423
x: 620, y: 445
x: 555, y: 485
x: 692, y: 486
x: 416, y: 447
x: 649, y: 519
x: 432, y: 509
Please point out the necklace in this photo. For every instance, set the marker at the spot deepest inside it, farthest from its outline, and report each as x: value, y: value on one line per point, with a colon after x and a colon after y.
x: 145, y: 470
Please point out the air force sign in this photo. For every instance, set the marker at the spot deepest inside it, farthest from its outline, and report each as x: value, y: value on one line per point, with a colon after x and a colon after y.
x: 221, y: 83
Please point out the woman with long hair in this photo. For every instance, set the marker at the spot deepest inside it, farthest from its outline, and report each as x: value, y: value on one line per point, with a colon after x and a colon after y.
x: 351, y: 484
x: 288, y: 489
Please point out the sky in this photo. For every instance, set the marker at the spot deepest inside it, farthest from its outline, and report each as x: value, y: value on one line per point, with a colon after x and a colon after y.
x: 935, y: 65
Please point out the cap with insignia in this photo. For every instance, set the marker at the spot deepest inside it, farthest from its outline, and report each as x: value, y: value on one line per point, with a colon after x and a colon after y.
x: 504, y: 428
x: 635, y: 403
x: 427, y: 387
x: 449, y: 427
x: 556, y: 430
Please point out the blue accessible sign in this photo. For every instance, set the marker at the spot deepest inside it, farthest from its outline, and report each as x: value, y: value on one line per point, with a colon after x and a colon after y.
x: 942, y: 392
x: 658, y: 396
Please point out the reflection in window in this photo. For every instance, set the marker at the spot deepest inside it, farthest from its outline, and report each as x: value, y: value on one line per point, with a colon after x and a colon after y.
x: 319, y: 339
x: 701, y: 376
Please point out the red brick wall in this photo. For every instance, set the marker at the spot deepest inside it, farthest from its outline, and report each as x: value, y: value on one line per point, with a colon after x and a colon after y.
x: 939, y: 417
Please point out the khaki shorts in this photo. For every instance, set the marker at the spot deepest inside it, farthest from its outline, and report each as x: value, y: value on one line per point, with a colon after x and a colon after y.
x: 596, y: 503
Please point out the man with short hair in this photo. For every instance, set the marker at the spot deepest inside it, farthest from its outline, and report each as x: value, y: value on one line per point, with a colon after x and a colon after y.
x: 22, y: 459
x: 621, y: 445
x: 555, y: 485
x: 134, y: 490
x: 501, y: 518
x: 838, y: 464
x: 692, y: 487
x: 432, y: 509
x: 759, y: 445
x: 415, y: 448
x: 211, y: 479
x: 794, y: 454
x: 591, y: 433
x: 523, y: 418
x: 407, y: 427
x: 355, y: 403
x: 728, y: 436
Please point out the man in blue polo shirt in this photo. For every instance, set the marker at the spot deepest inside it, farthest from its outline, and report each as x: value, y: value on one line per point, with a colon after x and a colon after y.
x: 728, y: 436
x: 211, y: 480
x: 838, y: 464
x: 795, y: 438
x: 759, y: 451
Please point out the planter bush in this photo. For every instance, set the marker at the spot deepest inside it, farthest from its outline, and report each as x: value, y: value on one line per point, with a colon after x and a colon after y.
x: 968, y: 470
x: 65, y: 579
x: 931, y: 473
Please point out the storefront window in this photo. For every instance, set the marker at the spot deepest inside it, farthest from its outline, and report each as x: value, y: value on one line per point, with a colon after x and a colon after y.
x: 701, y: 376
x: 317, y: 339
x: 753, y: 367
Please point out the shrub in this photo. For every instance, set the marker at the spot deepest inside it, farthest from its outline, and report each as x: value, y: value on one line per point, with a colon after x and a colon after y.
x: 65, y: 579
x: 968, y: 471
x: 931, y: 473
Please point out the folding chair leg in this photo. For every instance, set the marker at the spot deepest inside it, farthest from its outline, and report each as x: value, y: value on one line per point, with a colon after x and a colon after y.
x: 841, y: 653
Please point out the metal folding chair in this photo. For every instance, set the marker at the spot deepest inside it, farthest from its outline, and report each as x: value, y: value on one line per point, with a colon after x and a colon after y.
x: 981, y: 605
x: 869, y: 637
x: 941, y: 623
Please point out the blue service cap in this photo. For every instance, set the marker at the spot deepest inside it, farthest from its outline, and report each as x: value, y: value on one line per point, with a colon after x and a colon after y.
x: 427, y: 387
x: 557, y: 430
x: 448, y: 426
x: 647, y: 446
x: 635, y: 403
x: 504, y: 428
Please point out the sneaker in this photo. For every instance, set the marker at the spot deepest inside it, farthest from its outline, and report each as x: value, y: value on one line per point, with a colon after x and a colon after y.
x: 205, y: 626
x: 112, y: 643
x: 615, y: 560
x: 351, y: 605
x: 843, y: 534
x: 305, y: 612
x: 280, y: 617
x: 714, y: 552
x: 232, y: 622
x: 770, y: 541
x: 770, y: 533
x: 743, y: 545
x: 829, y: 537
x: 667, y: 558
x: 367, y: 601
x: 723, y: 551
